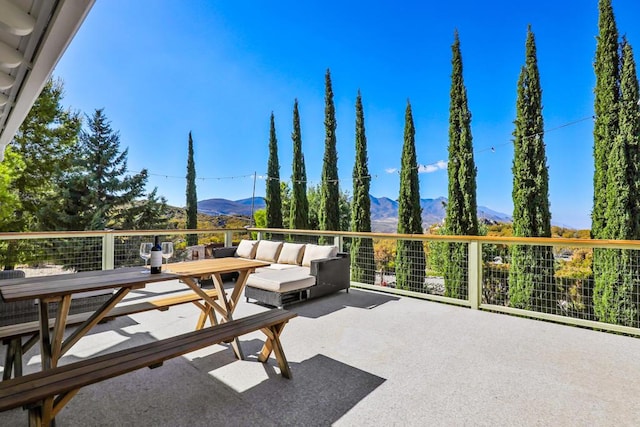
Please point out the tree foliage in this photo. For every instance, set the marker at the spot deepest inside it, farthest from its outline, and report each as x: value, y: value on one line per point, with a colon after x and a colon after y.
x: 329, y: 213
x: 461, y: 214
x: 299, y: 216
x: 616, y: 282
x: 362, y: 260
x: 46, y: 142
x: 605, y: 126
x: 273, y: 197
x: 192, y: 197
x: 531, y: 282
x: 410, y: 257
x: 98, y: 193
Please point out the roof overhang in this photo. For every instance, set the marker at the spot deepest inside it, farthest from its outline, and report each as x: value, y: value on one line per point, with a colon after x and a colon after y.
x: 33, y: 36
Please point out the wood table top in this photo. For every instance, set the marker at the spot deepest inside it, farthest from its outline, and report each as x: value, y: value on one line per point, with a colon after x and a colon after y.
x: 64, y: 284
x: 214, y: 265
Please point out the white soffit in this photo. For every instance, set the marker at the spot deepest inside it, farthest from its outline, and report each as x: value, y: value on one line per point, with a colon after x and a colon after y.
x: 33, y: 36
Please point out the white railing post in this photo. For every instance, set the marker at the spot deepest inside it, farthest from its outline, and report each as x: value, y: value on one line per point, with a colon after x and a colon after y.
x: 108, y: 251
x: 260, y: 235
x: 475, y: 274
x: 338, y: 241
x: 228, y: 239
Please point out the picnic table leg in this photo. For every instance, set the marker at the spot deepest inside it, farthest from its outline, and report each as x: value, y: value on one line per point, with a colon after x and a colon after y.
x: 45, y: 340
x: 228, y: 308
x: 274, y: 345
x: 10, y: 357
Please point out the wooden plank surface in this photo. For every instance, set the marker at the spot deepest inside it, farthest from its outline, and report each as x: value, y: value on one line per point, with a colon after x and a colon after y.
x: 215, y: 265
x: 40, y: 385
x: 64, y: 284
x: 26, y: 328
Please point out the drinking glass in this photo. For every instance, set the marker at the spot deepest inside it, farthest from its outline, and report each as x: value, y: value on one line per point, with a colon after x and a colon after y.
x: 145, y: 252
x: 167, y: 251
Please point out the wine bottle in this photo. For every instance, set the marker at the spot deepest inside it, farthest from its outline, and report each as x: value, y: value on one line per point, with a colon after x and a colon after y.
x: 156, y: 257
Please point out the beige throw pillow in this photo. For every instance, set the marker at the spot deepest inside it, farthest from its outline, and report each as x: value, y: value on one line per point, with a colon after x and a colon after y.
x: 268, y: 251
x: 291, y: 253
x: 247, y: 249
x: 312, y: 252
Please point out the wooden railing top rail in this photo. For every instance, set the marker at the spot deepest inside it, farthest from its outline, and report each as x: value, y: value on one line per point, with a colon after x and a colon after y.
x: 551, y: 241
x: 508, y: 240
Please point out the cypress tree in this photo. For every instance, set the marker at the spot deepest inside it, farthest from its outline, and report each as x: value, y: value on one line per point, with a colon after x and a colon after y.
x: 605, y: 127
x: 615, y: 295
x: 299, y: 214
x: 273, y: 197
x: 410, y: 258
x: 362, y: 262
x: 329, y: 214
x: 531, y: 281
x: 192, y: 198
x: 462, y: 210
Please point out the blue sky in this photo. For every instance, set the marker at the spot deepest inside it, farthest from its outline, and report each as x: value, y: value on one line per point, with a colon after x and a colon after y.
x: 162, y: 68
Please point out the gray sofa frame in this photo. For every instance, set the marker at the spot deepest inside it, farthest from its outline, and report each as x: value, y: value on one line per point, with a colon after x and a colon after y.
x: 332, y: 275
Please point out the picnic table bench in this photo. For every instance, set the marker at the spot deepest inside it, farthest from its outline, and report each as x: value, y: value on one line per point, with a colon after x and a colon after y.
x: 45, y: 393
x: 12, y: 335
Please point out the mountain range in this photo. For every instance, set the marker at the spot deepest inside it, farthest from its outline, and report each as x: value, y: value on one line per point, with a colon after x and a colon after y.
x: 384, y: 211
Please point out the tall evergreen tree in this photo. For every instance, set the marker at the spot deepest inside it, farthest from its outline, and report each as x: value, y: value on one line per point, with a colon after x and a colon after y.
x: 410, y: 258
x: 330, y: 194
x: 192, y: 197
x: 531, y: 281
x: 99, y: 190
x: 616, y: 281
x: 605, y: 127
x: 47, y: 144
x: 462, y: 209
x: 362, y: 261
x: 273, y: 197
x: 299, y: 215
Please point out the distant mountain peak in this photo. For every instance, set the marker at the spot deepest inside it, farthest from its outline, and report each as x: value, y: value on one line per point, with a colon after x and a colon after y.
x: 384, y: 210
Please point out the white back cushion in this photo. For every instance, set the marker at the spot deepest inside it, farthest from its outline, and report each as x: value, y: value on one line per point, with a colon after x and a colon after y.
x: 247, y: 249
x: 312, y: 252
x: 268, y: 251
x: 291, y: 253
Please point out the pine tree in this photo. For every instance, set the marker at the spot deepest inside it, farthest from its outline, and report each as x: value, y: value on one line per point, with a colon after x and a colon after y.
x: 47, y: 144
x: 192, y: 197
x: 299, y: 215
x: 615, y: 292
x: 605, y: 127
x: 362, y: 261
x: 462, y: 210
x: 531, y: 281
x: 273, y: 197
x: 410, y: 258
x: 107, y: 185
x: 330, y: 194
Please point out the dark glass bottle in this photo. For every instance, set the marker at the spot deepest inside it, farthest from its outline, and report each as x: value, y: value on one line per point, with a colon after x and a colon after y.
x: 156, y: 257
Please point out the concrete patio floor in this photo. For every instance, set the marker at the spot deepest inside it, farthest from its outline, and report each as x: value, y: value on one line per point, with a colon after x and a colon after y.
x: 364, y: 358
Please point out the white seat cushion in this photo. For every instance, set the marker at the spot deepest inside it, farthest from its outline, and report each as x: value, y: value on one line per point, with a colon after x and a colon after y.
x: 281, y: 267
x: 281, y: 280
x: 291, y: 253
x: 312, y: 252
x: 268, y: 251
x: 247, y: 249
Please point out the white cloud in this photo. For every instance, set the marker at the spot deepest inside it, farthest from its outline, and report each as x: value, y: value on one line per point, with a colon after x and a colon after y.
x: 391, y: 170
x: 433, y: 167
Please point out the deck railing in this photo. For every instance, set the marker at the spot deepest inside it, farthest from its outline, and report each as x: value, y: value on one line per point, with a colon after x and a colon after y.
x: 543, y: 278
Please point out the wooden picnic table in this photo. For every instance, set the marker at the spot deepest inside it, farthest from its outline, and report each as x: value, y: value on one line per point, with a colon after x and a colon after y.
x: 190, y: 271
x: 60, y: 288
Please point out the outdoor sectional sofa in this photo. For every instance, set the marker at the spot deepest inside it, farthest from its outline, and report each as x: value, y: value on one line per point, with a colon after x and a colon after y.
x: 297, y: 272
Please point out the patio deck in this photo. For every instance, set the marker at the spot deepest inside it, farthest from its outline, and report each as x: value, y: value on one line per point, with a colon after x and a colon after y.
x: 366, y: 358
